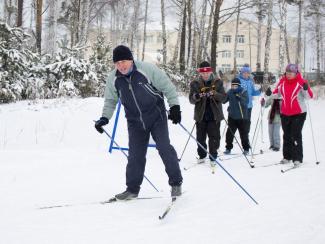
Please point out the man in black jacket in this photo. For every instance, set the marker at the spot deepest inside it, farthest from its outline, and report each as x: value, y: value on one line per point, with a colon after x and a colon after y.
x: 207, y: 94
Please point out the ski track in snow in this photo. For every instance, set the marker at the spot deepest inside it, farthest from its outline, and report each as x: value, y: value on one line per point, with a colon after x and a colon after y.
x: 50, y: 154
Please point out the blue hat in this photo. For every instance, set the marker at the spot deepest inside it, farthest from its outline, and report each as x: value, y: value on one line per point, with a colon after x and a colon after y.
x: 245, y: 69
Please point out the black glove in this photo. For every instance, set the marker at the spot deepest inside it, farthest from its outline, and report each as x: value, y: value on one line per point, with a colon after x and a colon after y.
x: 305, y: 86
x: 99, y: 123
x: 268, y: 92
x: 175, y: 114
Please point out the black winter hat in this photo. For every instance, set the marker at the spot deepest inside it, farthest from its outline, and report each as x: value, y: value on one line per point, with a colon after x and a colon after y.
x: 204, y: 64
x: 235, y: 81
x: 122, y: 53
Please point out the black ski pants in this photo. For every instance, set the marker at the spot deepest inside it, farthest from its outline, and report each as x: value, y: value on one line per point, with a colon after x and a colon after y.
x: 292, y: 136
x: 233, y: 125
x: 138, y: 144
x: 212, y: 130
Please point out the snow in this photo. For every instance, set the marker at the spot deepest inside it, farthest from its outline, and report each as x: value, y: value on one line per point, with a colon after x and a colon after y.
x: 50, y: 154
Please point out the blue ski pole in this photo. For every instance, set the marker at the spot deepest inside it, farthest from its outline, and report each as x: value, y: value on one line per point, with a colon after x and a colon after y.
x: 217, y: 161
x: 120, y: 149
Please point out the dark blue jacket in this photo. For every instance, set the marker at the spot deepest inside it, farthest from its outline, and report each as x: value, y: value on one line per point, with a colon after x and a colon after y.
x: 238, y: 100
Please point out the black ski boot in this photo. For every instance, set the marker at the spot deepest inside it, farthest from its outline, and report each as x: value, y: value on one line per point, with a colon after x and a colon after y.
x: 176, y: 191
x: 126, y: 195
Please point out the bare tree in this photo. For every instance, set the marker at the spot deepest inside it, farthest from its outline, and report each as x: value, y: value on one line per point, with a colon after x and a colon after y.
x: 316, y: 10
x: 39, y: 9
x: 183, y: 40
x: 268, y: 40
x: 164, y: 36
x: 83, y: 22
x: 201, y: 31
x: 283, y: 18
x: 208, y: 36
x: 135, y: 23
x: 214, y: 36
x: 236, y: 39
x: 20, y: 13
x: 52, y: 27
x: 145, y: 30
x: 180, y: 5
x: 189, y: 23
x: 260, y: 16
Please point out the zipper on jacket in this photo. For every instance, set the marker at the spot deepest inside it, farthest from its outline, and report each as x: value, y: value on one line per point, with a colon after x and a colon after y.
x: 136, y: 103
x: 241, y: 111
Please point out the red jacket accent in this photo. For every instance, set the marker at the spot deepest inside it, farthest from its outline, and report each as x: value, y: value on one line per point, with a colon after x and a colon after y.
x: 293, y: 95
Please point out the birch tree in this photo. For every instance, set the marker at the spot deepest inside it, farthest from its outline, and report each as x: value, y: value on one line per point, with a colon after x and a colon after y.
x: 235, y: 40
x: 145, y: 30
x: 52, y: 27
x: 83, y: 22
x: 283, y: 19
x: 135, y: 24
x: 260, y: 16
x: 183, y: 40
x: 164, y: 36
x: 268, y: 41
x: 201, y: 32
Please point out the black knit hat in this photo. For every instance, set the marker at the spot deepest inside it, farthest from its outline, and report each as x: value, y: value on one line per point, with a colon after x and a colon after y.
x: 235, y: 81
x: 204, y: 64
x: 122, y: 53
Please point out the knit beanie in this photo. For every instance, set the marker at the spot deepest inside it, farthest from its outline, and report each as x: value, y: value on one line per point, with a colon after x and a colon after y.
x: 292, y: 68
x: 122, y: 53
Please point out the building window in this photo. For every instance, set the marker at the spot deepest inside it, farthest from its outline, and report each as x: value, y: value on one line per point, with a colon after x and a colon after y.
x: 226, y: 39
x: 225, y: 67
x: 240, y: 38
x: 240, y: 54
x: 226, y: 54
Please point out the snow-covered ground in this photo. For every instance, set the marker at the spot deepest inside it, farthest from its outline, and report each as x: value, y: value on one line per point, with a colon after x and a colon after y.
x: 50, y: 154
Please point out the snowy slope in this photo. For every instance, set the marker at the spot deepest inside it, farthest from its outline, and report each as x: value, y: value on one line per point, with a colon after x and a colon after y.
x: 50, y: 154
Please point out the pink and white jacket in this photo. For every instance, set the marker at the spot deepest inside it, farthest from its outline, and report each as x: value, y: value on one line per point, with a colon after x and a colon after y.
x: 293, y: 95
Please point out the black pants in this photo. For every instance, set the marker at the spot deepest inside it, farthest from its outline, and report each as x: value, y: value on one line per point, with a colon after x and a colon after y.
x: 233, y: 125
x: 138, y: 144
x: 292, y: 137
x: 212, y: 129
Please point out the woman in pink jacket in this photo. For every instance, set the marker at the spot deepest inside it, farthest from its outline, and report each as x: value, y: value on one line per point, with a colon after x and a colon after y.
x: 293, y: 90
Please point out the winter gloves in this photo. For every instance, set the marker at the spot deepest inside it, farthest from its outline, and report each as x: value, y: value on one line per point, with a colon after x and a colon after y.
x: 268, y: 92
x: 305, y: 86
x: 175, y: 114
x: 262, y: 102
x: 197, y: 96
x: 99, y: 123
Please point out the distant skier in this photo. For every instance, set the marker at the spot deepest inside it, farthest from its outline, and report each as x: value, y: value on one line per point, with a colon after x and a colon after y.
x: 141, y: 87
x: 237, y: 116
x: 247, y: 83
x: 274, y: 120
x: 207, y: 94
x: 294, y: 90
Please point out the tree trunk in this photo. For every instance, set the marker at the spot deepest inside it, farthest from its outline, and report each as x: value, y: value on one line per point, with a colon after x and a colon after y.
x: 298, y: 54
x: 214, y: 36
x: 39, y: 9
x: 201, y: 32
x: 208, y: 36
x: 83, y: 23
x: 164, y: 36
x: 189, y: 22
x: 268, y: 41
x: 176, y: 50
x: 236, y: 41
x: 195, y: 36
x: 20, y: 13
x: 145, y: 30
x: 259, y: 34
x: 286, y: 42
x: 52, y: 25
x: 318, y: 40
x: 283, y: 15
x: 183, y: 40
x: 135, y: 24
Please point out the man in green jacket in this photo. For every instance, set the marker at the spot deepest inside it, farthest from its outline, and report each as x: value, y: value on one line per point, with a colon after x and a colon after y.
x: 207, y: 94
x: 141, y: 88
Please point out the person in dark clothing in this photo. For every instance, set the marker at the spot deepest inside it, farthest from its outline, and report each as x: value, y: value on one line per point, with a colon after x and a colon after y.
x: 207, y: 94
x: 141, y: 88
x: 237, y: 116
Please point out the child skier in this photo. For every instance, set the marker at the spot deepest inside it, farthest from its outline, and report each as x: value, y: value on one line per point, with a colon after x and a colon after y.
x: 237, y: 116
